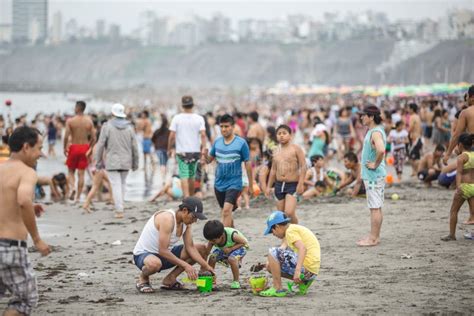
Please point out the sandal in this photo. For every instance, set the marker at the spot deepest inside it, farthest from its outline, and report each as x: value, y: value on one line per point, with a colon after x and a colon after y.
x: 145, y: 288
x: 176, y: 286
x: 272, y: 292
x: 257, y: 267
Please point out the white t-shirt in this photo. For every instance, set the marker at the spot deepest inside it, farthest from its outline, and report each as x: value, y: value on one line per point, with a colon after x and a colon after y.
x: 188, y: 127
x: 317, y: 130
x: 397, y: 137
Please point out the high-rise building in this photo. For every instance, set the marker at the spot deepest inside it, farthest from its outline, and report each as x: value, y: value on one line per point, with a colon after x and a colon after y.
x: 114, y: 32
x: 57, y: 28
x: 5, y: 21
x: 71, y: 30
x: 30, y: 20
x: 100, y: 29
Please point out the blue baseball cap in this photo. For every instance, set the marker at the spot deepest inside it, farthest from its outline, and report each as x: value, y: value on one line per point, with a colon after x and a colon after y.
x: 276, y: 217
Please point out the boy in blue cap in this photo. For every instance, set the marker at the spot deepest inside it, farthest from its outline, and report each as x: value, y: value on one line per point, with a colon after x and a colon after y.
x: 298, y: 257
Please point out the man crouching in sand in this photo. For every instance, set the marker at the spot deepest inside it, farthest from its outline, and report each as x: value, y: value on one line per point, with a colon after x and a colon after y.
x: 17, y: 220
x: 158, y: 249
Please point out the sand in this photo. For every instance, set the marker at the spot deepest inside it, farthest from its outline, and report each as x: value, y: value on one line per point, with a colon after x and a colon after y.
x: 86, y: 274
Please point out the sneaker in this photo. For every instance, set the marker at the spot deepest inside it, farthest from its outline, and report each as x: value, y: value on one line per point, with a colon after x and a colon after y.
x: 235, y: 285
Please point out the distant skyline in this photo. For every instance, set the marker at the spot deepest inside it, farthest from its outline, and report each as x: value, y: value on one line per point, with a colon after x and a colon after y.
x: 126, y: 13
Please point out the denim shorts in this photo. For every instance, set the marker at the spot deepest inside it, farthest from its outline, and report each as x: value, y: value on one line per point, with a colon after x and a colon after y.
x: 162, y: 157
x: 288, y: 260
x: 139, y: 260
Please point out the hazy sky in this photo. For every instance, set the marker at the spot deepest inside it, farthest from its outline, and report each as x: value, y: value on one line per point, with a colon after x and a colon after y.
x: 125, y: 13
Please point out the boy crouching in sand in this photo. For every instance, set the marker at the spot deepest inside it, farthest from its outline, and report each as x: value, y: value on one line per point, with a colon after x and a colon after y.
x: 464, y: 184
x: 299, y: 262
x: 230, y: 247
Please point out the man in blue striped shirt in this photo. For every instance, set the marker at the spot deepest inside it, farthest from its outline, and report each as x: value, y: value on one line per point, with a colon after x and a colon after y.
x: 229, y: 151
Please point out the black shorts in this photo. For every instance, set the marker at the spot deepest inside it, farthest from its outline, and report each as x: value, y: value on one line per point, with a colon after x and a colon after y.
x: 229, y: 196
x: 415, y: 152
x: 423, y: 175
x: 284, y: 188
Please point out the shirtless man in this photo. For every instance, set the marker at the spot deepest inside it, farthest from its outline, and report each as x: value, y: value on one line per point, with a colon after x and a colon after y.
x: 415, y: 133
x: 145, y: 129
x: 465, y: 123
x: 288, y: 173
x: 77, y: 149
x: 255, y: 129
x: 352, y: 164
x: 157, y: 248
x: 18, y: 220
x: 430, y: 166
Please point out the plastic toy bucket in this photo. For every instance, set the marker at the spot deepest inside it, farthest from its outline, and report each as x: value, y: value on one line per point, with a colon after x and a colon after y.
x: 204, y: 284
x: 257, y: 284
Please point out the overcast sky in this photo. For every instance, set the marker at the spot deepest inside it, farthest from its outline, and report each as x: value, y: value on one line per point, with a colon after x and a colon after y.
x: 125, y: 13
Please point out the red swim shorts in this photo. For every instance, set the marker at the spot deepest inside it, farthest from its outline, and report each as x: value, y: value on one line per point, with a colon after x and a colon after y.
x: 76, y: 158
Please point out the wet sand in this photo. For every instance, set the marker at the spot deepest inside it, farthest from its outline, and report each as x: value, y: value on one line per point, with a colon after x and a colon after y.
x: 86, y: 274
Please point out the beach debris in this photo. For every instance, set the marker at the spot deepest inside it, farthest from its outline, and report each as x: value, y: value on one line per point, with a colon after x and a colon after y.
x: 116, y: 243
x: 82, y: 275
x: 469, y: 235
x: 406, y: 256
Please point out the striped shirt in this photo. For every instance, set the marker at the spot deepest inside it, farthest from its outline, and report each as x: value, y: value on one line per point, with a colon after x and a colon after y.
x: 229, y: 159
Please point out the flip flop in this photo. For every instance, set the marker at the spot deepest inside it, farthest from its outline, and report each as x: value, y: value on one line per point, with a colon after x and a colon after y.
x: 144, y: 288
x: 176, y: 286
x: 257, y: 267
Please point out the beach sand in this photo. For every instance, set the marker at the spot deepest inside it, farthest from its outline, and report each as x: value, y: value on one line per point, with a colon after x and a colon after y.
x: 86, y: 274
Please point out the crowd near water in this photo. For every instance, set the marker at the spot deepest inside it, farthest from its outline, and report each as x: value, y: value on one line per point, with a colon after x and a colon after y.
x: 287, y: 148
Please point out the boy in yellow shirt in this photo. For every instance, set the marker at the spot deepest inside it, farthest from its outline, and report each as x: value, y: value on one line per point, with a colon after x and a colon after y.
x: 298, y: 258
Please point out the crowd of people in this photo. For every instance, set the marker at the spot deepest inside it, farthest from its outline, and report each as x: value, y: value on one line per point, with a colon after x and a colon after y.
x: 283, y: 147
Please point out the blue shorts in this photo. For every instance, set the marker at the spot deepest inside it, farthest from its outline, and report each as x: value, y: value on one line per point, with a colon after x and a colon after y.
x: 220, y: 256
x: 288, y: 260
x: 446, y: 179
x: 139, y: 260
x: 146, y: 144
x: 177, y: 192
x: 162, y: 157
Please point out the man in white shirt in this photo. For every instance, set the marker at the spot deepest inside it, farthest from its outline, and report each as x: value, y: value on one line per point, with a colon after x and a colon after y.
x: 188, y: 140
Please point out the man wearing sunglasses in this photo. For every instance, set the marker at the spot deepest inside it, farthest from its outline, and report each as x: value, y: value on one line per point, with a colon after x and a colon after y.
x: 157, y: 248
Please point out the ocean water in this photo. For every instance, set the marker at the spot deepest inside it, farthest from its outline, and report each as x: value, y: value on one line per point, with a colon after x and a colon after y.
x: 47, y: 103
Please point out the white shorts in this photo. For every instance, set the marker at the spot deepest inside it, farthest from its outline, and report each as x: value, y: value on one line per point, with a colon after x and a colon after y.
x: 375, y: 192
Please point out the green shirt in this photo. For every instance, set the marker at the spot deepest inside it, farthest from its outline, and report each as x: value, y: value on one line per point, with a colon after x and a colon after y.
x: 229, y: 238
